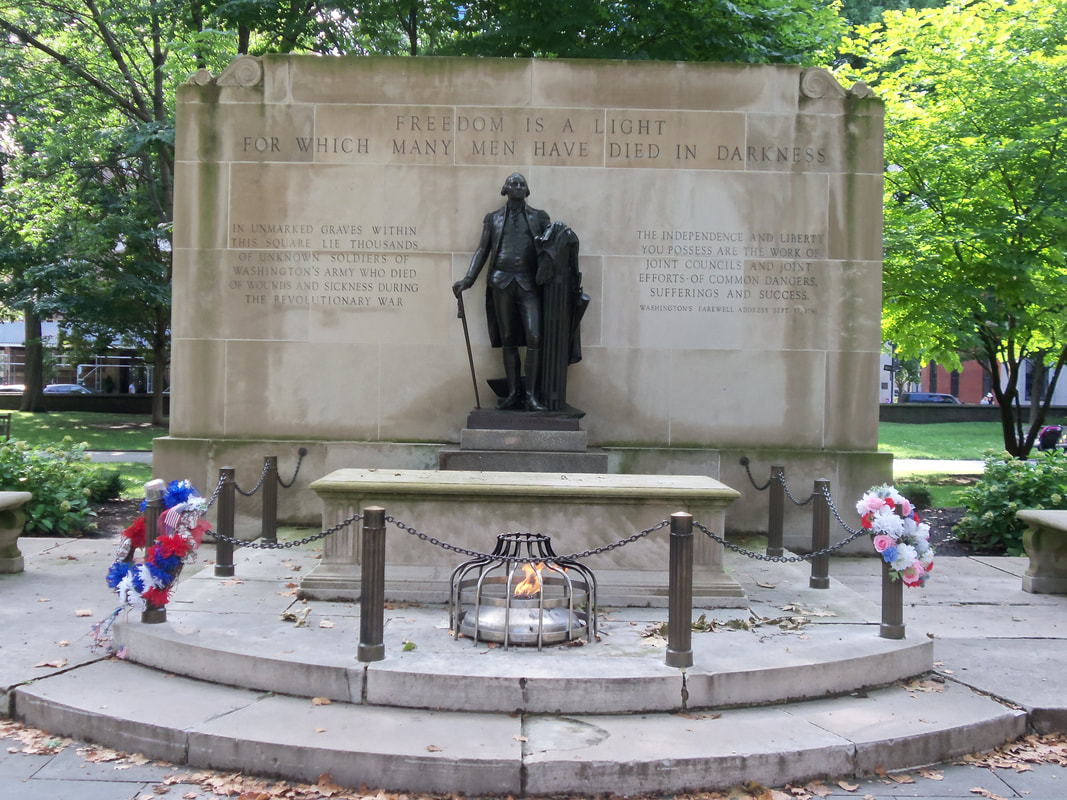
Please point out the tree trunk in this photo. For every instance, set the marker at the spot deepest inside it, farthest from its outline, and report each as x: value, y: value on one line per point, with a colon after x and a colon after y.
x: 32, y: 399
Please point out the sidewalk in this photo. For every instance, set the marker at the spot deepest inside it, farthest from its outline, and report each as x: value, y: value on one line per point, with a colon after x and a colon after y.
x: 987, y: 634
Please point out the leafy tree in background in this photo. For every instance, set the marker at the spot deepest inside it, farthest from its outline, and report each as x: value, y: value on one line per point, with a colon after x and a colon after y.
x: 757, y: 31
x: 976, y: 176
x: 864, y: 12
x: 87, y: 117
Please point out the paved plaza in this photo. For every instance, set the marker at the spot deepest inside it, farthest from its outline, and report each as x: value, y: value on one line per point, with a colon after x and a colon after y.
x: 987, y: 634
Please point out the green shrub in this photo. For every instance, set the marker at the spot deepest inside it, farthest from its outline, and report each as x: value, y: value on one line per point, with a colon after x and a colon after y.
x: 1007, y: 486
x: 918, y: 493
x: 104, y: 484
x: 62, y: 482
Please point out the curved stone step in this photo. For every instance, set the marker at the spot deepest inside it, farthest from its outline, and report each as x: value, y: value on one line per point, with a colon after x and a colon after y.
x: 185, y: 721
x: 624, y: 672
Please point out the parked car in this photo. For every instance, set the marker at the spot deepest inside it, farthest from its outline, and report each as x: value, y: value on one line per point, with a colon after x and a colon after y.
x: 12, y: 388
x: 67, y: 388
x: 929, y: 397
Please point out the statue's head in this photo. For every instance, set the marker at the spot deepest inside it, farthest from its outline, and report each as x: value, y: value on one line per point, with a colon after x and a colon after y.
x: 515, y: 184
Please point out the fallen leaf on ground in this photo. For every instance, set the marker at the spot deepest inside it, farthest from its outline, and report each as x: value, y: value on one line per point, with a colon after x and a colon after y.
x: 432, y: 748
x: 321, y: 701
x: 100, y: 755
x: 57, y: 663
x: 905, y: 778
x: 83, y: 612
x: 325, y: 623
x: 818, y: 788
x: 848, y: 787
x: 931, y: 774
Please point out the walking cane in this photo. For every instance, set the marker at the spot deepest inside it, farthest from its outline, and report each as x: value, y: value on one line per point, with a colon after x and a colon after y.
x: 470, y: 356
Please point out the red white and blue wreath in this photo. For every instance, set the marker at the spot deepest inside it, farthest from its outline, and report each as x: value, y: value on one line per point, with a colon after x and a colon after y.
x: 150, y: 581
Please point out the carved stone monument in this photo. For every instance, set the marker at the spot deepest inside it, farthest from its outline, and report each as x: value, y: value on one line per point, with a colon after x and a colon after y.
x: 730, y: 226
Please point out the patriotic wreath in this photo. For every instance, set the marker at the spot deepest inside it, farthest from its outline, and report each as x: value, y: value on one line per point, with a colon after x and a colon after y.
x: 898, y: 535
x: 150, y: 581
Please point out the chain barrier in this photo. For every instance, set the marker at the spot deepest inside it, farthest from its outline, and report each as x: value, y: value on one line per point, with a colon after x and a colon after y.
x: 837, y: 516
x: 303, y: 451
x: 526, y: 559
x: 215, y: 494
x: 779, y: 559
x: 789, y: 494
x: 258, y: 486
x: 253, y: 544
x: 756, y: 486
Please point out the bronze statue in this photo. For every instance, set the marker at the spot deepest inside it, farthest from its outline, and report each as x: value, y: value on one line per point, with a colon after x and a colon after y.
x: 531, y: 260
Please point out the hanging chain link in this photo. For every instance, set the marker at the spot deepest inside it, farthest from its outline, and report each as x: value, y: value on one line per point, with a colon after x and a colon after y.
x: 262, y: 477
x: 253, y: 544
x: 756, y: 486
x: 215, y: 494
x: 780, y: 559
x: 789, y: 494
x: 303, y: 451
x: 837, y: 516
x: 527, y: 559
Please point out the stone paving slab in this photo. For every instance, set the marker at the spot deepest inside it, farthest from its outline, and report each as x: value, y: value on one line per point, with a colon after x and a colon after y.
x: 126, y: 707
x: 675, y: 753
x: 902, y: 726
x: 387, y: 748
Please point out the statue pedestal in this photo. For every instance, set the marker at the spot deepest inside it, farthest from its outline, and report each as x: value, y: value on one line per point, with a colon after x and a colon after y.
x: 522, y: 441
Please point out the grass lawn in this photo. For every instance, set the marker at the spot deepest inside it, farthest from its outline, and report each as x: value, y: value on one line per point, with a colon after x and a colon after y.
x: 134, y: 477
x: 98, y: 431
x: 950, y: 440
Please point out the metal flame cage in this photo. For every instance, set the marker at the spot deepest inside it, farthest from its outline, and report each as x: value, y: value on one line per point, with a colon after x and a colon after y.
x: 561, y: 608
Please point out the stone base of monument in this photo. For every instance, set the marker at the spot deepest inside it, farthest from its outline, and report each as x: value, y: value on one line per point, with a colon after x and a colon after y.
x: 581, y: 513
x: 509, y: 441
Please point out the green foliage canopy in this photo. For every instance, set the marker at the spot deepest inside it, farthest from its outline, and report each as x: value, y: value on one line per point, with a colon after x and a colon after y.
x: 976, y: 176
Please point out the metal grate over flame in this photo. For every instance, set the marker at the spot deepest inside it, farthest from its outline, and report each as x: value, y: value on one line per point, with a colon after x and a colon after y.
x: 542, y: 599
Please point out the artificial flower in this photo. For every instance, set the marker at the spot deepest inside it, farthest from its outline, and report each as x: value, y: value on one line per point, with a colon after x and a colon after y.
x: 902, y: 540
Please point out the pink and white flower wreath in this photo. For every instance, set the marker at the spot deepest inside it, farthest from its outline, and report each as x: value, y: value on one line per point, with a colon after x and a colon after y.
x: 901, y: 539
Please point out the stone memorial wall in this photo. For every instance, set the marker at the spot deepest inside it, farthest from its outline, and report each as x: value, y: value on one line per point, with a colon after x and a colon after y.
x: 730, y: 227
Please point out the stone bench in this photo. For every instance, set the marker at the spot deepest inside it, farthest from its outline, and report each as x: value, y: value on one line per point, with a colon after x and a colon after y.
x: 12, y: 519
x: 1045, y: 542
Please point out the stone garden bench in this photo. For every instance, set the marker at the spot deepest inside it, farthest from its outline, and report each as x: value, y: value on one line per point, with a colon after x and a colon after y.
x: 12, y: 518
x: 1045, y: 542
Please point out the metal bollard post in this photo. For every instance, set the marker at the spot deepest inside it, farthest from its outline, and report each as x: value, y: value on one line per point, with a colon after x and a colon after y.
x: 820, y: 536
x: 776, y: 519
x: 892, y: 626
x: 223, y: 549
x: 269, y: 529
x: 153, y: 495
x: 680, y: 612
x: 372, y: 587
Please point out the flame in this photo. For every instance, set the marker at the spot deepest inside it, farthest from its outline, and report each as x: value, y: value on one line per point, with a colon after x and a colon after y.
x: 530, y: 585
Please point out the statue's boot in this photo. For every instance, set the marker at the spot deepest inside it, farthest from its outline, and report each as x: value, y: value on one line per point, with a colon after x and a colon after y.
x: 512, y: 367
x: 533, y: 379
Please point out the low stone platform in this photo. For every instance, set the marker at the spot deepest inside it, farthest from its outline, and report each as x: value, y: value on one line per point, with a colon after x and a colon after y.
x: 797, y: 685
x: 580, y: 512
